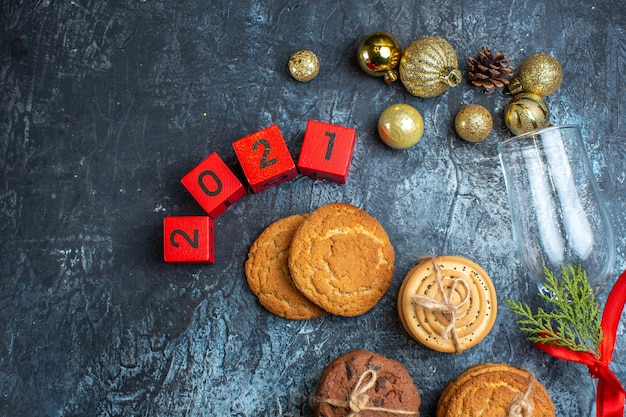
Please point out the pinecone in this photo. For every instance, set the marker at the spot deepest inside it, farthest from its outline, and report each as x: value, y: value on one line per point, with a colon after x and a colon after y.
x: 488, y: 70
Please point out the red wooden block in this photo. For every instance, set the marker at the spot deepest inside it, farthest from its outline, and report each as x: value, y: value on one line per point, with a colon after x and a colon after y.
x: 265, y: 159
x: 188, y: 239
x: 213, y: 185
x: 326, y: 151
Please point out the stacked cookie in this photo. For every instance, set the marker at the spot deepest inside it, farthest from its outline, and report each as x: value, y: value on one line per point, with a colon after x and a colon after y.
x: 447, y: 303
x: 363, y: 383
x: 495, y: 390
x: 267, y: 272
x: 337, y: 259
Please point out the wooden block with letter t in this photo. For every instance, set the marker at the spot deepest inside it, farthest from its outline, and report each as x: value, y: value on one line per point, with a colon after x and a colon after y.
x: 265, y: 158
x: 213, y: 185
x: 188, y: 239
x: 326, y: 151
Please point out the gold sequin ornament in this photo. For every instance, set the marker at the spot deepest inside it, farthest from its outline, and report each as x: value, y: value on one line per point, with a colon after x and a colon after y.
x: 539, y: 74
x: 304, y: 65
x: 526, y: 112
x: 473, y: 123
x: 428, y: 67
x: 378, y: 54
x: 400, y: 126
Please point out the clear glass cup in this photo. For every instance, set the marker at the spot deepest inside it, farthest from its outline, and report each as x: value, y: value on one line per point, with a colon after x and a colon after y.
x: 558, y: 215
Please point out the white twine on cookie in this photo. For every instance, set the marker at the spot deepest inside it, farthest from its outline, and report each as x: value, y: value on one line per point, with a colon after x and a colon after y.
x: 522, y: 407
x: 445, y: 306
x: 358, y: 398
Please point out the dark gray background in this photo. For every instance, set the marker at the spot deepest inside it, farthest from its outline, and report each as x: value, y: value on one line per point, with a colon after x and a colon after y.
x: 105, y: 105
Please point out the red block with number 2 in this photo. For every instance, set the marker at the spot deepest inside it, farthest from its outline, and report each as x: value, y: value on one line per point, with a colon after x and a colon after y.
x: 265, y: 159
x: 326, y: 151
x: 188, y: 239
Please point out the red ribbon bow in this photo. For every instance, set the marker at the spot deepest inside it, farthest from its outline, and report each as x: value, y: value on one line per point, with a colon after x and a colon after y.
x: 611, y: 395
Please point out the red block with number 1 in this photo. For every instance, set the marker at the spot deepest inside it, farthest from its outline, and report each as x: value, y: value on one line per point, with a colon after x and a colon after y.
x: 326, y: 151
x: 188, y: 239
x: 265, y: 159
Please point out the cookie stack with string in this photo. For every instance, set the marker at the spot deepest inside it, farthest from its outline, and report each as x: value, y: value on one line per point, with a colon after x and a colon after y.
x: 447, y: 303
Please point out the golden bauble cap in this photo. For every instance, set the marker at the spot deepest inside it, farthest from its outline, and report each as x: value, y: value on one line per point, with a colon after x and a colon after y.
x: 473, y: 123
x: 428, y: 67
x: 539, y: 74
x: 525, y: 113
x: 400, y: 126
x: 378, y: 54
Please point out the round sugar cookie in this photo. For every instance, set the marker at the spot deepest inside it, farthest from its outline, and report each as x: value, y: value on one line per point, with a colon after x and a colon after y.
x: 371, y: 382
x: 268, y: 276
x: 450, y: 389
x: 493, y: 390
x: 471, y: 298
x: 341, y: 259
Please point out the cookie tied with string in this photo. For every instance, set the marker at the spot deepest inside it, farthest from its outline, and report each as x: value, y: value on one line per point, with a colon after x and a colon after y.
x: 366, y: 384
x: 447, y: 303
x: 493, y: 389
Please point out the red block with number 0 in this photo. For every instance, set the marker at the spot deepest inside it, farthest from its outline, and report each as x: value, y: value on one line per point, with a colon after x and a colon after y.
x: 213, y: 185
x: 326, y: 151
x: 265, y: 159
x: 188, y: 239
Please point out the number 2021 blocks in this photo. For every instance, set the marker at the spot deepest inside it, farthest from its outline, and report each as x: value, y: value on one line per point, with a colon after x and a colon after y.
x: 326, y: 153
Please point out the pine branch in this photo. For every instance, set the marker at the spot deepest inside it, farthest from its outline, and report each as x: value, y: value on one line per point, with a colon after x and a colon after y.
x: 573, y: 323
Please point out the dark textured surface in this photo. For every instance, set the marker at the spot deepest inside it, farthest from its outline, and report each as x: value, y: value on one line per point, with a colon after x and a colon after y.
x: 105, y: 105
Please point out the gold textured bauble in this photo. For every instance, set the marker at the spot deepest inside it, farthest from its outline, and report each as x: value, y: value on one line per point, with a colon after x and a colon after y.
x: 526, y: 112
x: 378, y: 54
x: 400, y: 126
x: 473, y: 123
x: 428, y: 67
x: 539, y: 74
x: 304, y: 66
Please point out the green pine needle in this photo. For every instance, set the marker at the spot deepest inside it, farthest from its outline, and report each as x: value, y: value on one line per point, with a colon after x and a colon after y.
x: 574, y: 322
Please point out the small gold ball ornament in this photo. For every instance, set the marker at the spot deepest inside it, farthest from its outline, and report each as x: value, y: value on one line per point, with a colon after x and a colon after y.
x: 525, y: 113
x: 304, y: 65
x: 539, y: 74
x: 428, y: 67
x: 473, y: 123
x: 400, y: 126
x: 378, y: 54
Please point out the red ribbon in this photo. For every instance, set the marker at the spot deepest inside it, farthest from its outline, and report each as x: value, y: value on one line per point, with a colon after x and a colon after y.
x: 611, y: 395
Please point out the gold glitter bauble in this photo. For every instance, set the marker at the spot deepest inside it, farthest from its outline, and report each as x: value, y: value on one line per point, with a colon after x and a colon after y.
x: 525, y: 113
x: 304, y: 66
x: 428, y: 67
x: 378, y: 55
x: 400, y: 126
x: 473, y: 123
x: 539, y: 74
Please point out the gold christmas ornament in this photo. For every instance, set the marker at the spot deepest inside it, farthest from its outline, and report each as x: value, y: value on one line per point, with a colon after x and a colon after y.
x: 428, y: 67
x: 539, y: 74
x: 400, y: 126
x: 526, y: 112
x: 378, y: 54
x: 473, y: 123
x: 304, y: 65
